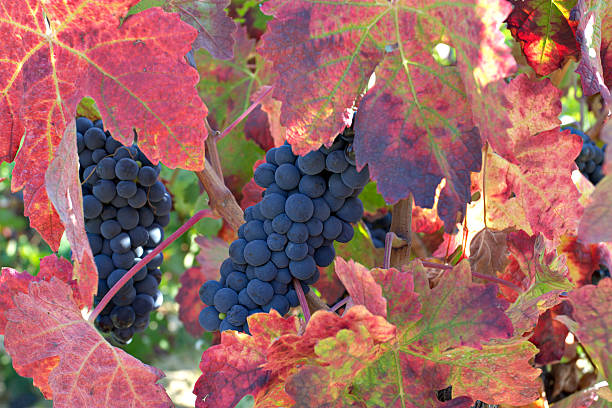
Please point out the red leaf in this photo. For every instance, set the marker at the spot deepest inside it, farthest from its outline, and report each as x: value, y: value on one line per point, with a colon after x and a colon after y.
x: 339, y: 45
x: 545, y: 32
x: 549, y: 335
x: 593, y: 313
x: 361, y: 286
x: 251, y: 192
x: 398, y: 290
x: 215, y: 28
x: 595, y: 226
x: 212, y: 253
x: 257, y: 129
x: 135, y: 72
x: 235, y: 367
x: 582, y: 259
x: 69, y: 360
x: 64, y: 189
x: 594, y: 32
x: 11, y: 283
x: 329, y: 285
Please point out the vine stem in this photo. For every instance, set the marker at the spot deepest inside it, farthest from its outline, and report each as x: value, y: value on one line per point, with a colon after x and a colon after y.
x: 212, y: 153
x: 163, y: 245
x: 476, y: 275
x: 244, y: 114
x: 302, y: 298
x: 401, y: 225
x: 340, y: 304
x: 484, y: 183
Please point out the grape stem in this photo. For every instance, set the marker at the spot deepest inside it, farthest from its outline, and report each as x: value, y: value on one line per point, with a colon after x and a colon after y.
x: 163, y: 245
x: 302, y: 298
x: 490, y: 278
x: 340, y: 304
x: 244, y: 114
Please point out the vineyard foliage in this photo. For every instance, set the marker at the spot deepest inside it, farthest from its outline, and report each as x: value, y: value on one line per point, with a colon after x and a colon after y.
x: 456, y: 110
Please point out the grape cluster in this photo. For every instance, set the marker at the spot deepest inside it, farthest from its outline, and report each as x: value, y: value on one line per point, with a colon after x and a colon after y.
x: 378, y: 229
x: 310, y: 201
x: 599, y: 274
x: 126, y: 209
x: 591, y: 157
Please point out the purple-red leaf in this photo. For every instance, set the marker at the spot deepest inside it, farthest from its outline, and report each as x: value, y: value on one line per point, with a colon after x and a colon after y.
x: 48, y: 340
x: 596, y: 224
x: 55, y: 53
x: 361, y: 286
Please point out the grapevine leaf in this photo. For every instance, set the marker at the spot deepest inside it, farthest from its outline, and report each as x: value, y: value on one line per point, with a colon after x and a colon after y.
x: 215, y: 27
x: 273, y: 108
x: 583, y: 259
x: 212, y: 253
x: 593, y: 397
x: 593, y: 313
x: 595, y: 226
x: 235, y: 368
x: 549, y: 335
x: 594, y: 31
x: 371, y: 199
x: 545, y: 31
x: 398, y: 290
x: 64, y: 190
x: 488, y: 251
x: 527, y: 186
x: 11, y: 283
x: 257, y: 129
x: 68, y: 359
x: 251, y: 192
x: 57, y: 54
x: 361, y: 286
x: 399, y: 128
x: 545, y: 281
x: 329, y: 285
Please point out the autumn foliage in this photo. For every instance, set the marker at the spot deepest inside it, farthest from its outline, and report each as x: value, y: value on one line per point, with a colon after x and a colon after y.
x: 455, y: 108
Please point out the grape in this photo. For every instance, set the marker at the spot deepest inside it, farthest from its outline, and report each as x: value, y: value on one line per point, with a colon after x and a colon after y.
x: 287, y: 176
x: 267, y: 226
x: 254, y: 230
x: 94, y: 138
x: 106, y: 247
x: 98, y: 155
x: 264, y: 174
x: 124, y: 260
x: 209, y: 318
x: 104, y: 191
x: 590, y: 166
x: 349, y: 154
x: 122, y: 316
x: 316, y: 241
x: 260, y: 292
x: 347, y: 233
x: 145, y: 217
x: 208, y: 290
x: 226, y: 268
x: 236, y: 281
x: 270, y: 156
x: 250, y: 272
x: 138, y: 200
x: 239, y: 267
x: 141, y: 322
x: 226, y: 325
x: 351, y: 211
x: 237, y: 315
x: 284, y: 155
x: 321, y: 209
x: 106, y: 168
x: 80, y: 143
x: 139, y: 236
x: 112, y: 145
x: 121, y: 243
x: 278, y: 303
x: 336, y: 145
x: 156, y: 261
x: 275, y: 189
x: 163, y: 220
x: 163, y: 206
x: 284, y: 276
x: 157, y: 191
x: 256, y: 252
x: 119, y: 202
x: 337, y: 188
x: 332, y: 228
x: 104, y: 323
x: 279, y: 287
x: 125, y: 152
x: 90, y: 176
x: 272, y: 205
x: 312, y: 163
x: 108, y: 213
x: 93, y: 225
x: 281, y: 224
x: 257, y: 215
x: 236, y: 251
x: 158, y: 298
x: 143, y: 304
x: 324, y: 256
x: 299, y: 208
x: 115, y: 276
x: 123, y: 336
x: 298, y: 233
x: 314, y: 226
x: 313, y: 279
x: 104, y: 264
x: 98, y: 124
x: 126, y: 189
x: 335, y: 162
x: 125, y: 297
x: 147, y: 285
x: 292, y: 298
x: 245, y: 300
x: 142, y: 272
x: 276, y: 242
x: 303, y: 269
x: 92, y: 207
x: 312, y: 186
x: 147, y: 176
x: 266, y: 272
x: 224, y: 299
x: 82, y: 124
x: 280, y: 259
x: 334, y: 203
x: 248, y: 214
x: 354, y: 179
x: 296, y: 252
x: 128, y: 218
x: 85, y: 158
